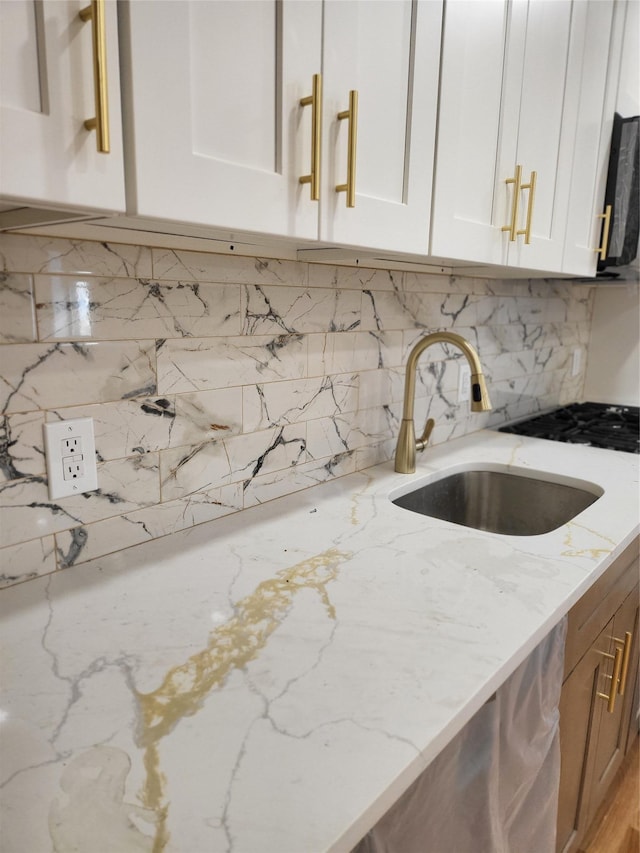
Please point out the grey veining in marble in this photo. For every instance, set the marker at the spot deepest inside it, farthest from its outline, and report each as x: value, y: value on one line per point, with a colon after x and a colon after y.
x: 208, y: 363
x: 205, y: 373
x: 123, y: 485
x: 276, y: 403
x: 17, y: 316
x: 145, y: 424
x: 37, y: 376
x: 196, y: 469
x: 21, y: 450
x: 286, y: 309
x: 52, y: 255
x: 122, y: 531
x: 176, y: 265
x: 106, y: 309
x: 27, y: 560
x: 159, y: 696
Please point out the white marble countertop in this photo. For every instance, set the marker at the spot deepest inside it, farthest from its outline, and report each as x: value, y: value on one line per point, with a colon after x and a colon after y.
x: 272, y: 681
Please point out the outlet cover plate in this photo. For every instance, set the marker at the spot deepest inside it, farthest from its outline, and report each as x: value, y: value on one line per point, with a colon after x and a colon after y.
x: 464, y: 382
x: 577, y: 361
x: 82, y: 451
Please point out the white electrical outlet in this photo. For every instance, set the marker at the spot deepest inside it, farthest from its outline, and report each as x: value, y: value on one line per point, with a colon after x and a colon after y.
x: 577, y: 361
x: 71, y: 457
x: 464, y: 382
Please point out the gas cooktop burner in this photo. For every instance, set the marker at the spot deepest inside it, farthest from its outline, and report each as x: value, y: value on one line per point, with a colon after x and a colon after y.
x: 596, y: 424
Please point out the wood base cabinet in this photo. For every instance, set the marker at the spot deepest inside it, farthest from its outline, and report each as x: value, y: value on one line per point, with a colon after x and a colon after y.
x: 598, y: 696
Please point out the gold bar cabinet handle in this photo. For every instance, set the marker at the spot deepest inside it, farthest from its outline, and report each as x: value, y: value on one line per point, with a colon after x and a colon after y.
x: 314, y: 100
x: 513, y: 224
x: 626, y: 655
x: 531, y: 186
x: 95, y: 13
x: 604, y: 246
x: 615, y: 678
x: 352, y: 115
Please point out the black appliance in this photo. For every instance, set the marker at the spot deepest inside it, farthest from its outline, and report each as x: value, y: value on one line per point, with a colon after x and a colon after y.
x: 596, y: 424
x: 622, y: 196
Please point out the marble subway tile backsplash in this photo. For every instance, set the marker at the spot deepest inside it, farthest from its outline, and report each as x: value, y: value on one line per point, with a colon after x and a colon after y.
x: 217, y: 382
x: 107, y: 309
x: 36, y: 377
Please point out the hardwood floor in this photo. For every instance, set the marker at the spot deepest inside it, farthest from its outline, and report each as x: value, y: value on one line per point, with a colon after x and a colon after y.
x: 616, y: 826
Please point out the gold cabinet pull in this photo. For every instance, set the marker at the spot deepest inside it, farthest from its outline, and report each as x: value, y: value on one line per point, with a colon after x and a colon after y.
x: 615, y: 678
x: 531, y: 186
x: 314, y: 100
x: 95, y: 13
x: 352, y: 115
x: 626, y: 655
x: 513, y: 224
x: 604, y: 245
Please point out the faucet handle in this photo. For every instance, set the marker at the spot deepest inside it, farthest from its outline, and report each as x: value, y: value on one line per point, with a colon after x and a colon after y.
x: 422, y: 442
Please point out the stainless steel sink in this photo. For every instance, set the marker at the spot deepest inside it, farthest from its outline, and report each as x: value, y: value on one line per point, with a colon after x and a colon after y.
x: 500, y: 501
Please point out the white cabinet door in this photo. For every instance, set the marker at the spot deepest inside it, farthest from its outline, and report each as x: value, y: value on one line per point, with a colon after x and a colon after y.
x: 215, y: 128
x: 507, y: 86
x: 544, y: 128
x: 47, y: 156
x: 218, y: 135
x: 594, y: 123
x: 388, y: 51
x: 470, y: 198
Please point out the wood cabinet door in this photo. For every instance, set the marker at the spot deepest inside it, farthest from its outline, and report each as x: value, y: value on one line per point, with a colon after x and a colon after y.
x: 388, y: 51
x: 47, y: 156
x: 471, y: 201
x: 215, y: 129
x: 593, y: 739
x: 580, y: 712
x: 612, y: 732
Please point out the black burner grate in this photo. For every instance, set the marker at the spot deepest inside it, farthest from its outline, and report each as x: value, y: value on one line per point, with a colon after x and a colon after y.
x: 595, y: 424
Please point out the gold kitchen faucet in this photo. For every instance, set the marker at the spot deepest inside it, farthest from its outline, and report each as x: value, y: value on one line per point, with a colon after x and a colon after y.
x: 480, y: 402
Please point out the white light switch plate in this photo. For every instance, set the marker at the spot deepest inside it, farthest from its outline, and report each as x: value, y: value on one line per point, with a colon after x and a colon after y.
x: 71, y: 457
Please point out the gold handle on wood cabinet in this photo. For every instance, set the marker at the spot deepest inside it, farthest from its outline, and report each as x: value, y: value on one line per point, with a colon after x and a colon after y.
x: 95, y: 13
x: 531, y: 186
x: 615, y: 678
x: 626, y: 655
x: 352, y: 115
x: 604, y: 245
x: 314, y: 100
x: 511, y: 228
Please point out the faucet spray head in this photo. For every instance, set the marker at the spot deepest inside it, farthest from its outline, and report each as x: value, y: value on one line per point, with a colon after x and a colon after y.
x: 480, y: 401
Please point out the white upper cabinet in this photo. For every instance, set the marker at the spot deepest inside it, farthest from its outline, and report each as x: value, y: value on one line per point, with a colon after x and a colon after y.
x: 216, y: 133
x: 505, y: 139
x: 315, y: 121
x: 47, y: 92
x: 220, y: 121
x: 466, y: 211
x: 541, y: 36
x: 601, y: 31
x: 388, y: 52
